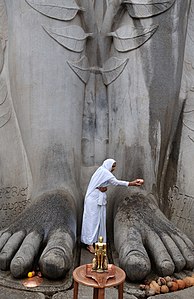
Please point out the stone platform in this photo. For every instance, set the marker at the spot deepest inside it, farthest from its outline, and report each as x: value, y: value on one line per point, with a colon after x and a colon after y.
x: 12, y: 288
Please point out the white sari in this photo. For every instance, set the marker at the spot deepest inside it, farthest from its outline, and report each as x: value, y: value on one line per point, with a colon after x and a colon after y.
x: 94, y: 216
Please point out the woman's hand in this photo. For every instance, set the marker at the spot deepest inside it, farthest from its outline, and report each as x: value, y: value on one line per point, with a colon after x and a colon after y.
x: 137, y: 182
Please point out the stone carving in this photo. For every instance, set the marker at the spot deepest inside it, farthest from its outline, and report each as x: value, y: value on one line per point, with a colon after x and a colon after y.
x: 71, y: 37
x: 81, y: 99
x: 13, y: 191
x: 112, y: 69
x: 3, y: 91
x: 81, y: 68
x: 13, y: 203
x: 146, y: 8
x: 5, y: 109
x: 180, y: 196
x: 13, y: 198
x: 5, y: 117
x: 126, y: 38
x: 3, y: 33
x: 62, y: 10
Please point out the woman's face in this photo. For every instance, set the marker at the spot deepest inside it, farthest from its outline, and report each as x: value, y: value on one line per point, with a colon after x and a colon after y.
x: 113, y: 167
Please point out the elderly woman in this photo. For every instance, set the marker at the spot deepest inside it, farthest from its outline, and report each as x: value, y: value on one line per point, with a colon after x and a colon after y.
x: 94, y: 216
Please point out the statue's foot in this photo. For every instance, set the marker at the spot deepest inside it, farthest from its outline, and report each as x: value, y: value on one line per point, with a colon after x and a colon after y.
x: 44, y: 235
x: 145, y: 239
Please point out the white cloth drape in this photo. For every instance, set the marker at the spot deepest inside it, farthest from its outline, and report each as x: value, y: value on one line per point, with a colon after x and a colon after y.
x: 94, y: 216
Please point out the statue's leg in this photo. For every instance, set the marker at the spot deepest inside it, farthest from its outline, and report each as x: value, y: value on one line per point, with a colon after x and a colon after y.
x: 144, y: 112
x: 180, y: 186
x: 48, y: 103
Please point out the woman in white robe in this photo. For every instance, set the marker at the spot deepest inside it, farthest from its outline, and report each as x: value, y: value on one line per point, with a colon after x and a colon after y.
x: 94, y: 216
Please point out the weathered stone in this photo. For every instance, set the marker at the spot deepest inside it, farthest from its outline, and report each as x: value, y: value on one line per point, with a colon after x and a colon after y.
x: 85, y: 293
x: 80, y: 81
x: 15, y: 294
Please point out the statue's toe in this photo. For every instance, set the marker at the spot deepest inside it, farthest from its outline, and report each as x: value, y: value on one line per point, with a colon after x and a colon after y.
x: 174, y: 251
x: 23, y: 261
x: 186, y: 249
x: 136, y: 265
x: 4, y: 238
x: 133, y: 257
x: 162, y: 259
x: 57, y: 257
x: 10, y: 248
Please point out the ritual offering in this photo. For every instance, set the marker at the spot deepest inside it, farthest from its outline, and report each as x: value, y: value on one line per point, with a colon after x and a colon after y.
x: 31, y: 274
x: 32, y: 282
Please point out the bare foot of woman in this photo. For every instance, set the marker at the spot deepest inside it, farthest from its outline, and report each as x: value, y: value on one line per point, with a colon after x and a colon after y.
x: 91, y: 249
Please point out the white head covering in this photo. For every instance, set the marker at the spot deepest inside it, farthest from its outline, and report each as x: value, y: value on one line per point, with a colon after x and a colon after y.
x: 101, y: 175
x: 108, y: 163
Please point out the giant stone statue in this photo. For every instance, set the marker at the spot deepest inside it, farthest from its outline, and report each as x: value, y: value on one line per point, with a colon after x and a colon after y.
x: 80, y: 81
